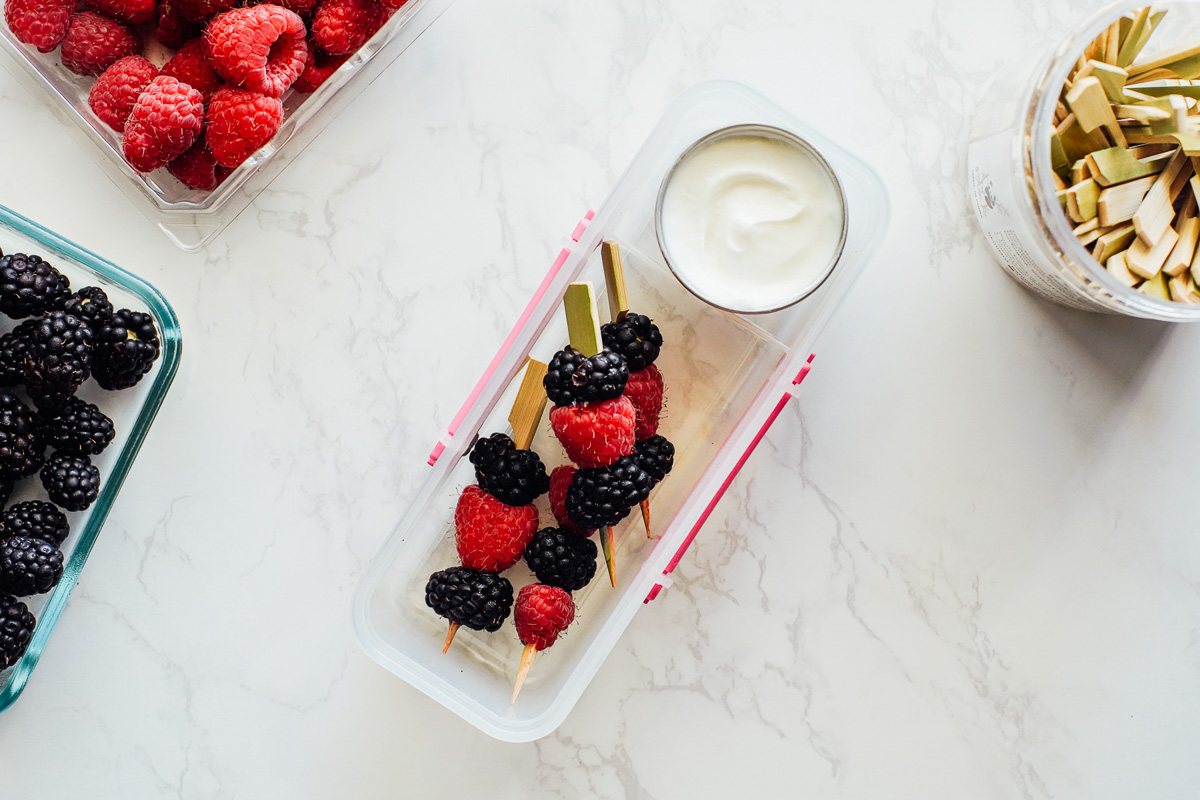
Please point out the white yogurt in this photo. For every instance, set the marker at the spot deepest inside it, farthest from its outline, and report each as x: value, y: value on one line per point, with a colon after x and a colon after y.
x: 751, y: 222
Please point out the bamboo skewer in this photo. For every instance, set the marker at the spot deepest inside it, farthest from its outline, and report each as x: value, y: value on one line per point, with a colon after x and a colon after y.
x: 583, y: 329
x: 527, y: 656
x: 618, y: 303
x: 525, y: 416
x: 1125, y: 153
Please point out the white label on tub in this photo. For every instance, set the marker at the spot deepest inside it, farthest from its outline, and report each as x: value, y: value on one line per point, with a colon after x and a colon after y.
x: 993, y: 196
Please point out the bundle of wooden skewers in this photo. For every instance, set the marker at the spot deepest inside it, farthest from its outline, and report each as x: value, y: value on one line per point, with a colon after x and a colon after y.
x: 1125, y: 151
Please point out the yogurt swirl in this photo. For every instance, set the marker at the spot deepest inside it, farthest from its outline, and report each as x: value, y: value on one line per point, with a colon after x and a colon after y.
x: 751, y: 222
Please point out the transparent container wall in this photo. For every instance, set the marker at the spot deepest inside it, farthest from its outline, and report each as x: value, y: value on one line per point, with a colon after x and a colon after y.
x: 131, y: 410
x: 714, y: 363
x: 189, y: 217
x: 726, y: 376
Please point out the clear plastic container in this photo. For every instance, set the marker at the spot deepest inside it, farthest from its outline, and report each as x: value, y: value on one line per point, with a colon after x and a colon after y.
x: 132, y: 411
x: 727, y: 378
x: 1012, y: 186
x: 191, y: 218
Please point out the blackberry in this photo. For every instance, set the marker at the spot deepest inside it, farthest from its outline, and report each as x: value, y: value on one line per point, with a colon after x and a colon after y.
x: 636, y: 338
x: 80, y: 427
x: 514, y: 477
x: 562, y: 559
x: 60, y: 358
x: 71, y: 481
x: 16, y: 629
x: 479, y: 600
x: 573, y: 379
x: 21, y: 447
x: 656, y: 455
x: 30, y: 286
x: 14, y: 353
x: 29, y: 566
x: 91, y: 305
x: 600, y: 497
x: 126, y: 348
x: 36, y: 520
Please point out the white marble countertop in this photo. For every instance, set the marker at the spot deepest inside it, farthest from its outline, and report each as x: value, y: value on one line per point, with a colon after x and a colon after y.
x: 965, y: 564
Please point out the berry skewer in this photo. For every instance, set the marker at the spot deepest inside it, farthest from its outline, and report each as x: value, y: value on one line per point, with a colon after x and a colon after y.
x: 639, y: 341
x: 542, y: 613
x: 495, y: 519
x: 591, y: 417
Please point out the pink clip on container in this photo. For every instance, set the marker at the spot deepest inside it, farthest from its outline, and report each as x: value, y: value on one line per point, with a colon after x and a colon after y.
x: 192, y: 218
x: 727, y: 377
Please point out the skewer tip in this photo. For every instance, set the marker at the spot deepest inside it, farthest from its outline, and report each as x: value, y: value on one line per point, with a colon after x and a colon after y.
x: 454, y: 626
x: 527, y: 657
x: 609, y: 557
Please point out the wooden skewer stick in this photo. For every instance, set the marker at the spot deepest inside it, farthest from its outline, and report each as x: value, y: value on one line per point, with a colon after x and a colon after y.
x: 618, y: 304
x: 454, y: 626
x: 1091, y: 108
x: 527, y: 409
x: 527, y: 655
x: 583, y: 327
x: 614, y: 279
x: 525, y: 416
x: 606, y: 544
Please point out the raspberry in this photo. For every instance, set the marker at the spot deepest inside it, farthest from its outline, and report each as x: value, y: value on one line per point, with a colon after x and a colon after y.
x: 318, y: 69
x: 190, y: 65
x: 201, y: 10
x: 261, y: 48
x: 165, y: 121
x: 196, y: 168
x: 393, y: 5
x: 239, y: 122
x: 302, y: 7
x: 94, y: 43
x: 645, y: 391
x: 595, y: 435
x: 117, y: 89
x: 41, y: 23
x: 134, y: 12
x: 560, y: 482
x: 491, y: 535
x: 541, y: 614
x: 173, y: 30
x: 342, y: 26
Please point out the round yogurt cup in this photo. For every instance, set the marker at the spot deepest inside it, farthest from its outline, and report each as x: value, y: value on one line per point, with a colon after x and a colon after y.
x: 699, y: 277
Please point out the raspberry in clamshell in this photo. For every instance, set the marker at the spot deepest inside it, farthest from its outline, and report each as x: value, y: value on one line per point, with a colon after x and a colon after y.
x: 240, y: 121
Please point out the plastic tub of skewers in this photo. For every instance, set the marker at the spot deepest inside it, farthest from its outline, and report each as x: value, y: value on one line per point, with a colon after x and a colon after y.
x: 1083, y: 165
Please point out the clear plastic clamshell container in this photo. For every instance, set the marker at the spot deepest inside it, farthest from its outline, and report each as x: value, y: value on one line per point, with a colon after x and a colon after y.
x: 192, y: 218
x: 727, y: 378
x: 132, y: 411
